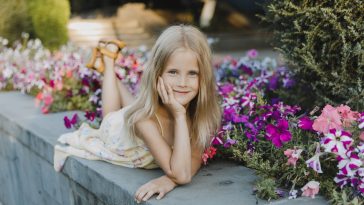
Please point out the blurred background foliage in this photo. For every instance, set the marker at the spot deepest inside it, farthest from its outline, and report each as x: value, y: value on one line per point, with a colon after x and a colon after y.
x: 43, y: 19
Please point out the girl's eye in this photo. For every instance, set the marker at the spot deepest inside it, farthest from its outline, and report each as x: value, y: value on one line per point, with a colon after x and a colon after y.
x: 193, y: 73
x: 173, y: 72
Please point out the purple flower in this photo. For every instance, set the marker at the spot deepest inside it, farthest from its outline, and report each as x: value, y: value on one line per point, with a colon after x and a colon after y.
x: 216, y: 140
x: 278, y: 134
x: 69, y: 123
x: 314, y: 162
x: 305, y: 123
x: 288, y: 82
x: 229, y: 142
x: 226, y: 89
x: 275, y: 100
x: 341, y: 179
x: 247, y: 70
x: 90, y: 115
x: 273, y: 82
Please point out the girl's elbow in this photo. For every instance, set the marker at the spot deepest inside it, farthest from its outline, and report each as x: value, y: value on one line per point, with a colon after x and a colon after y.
x: 183, y: 180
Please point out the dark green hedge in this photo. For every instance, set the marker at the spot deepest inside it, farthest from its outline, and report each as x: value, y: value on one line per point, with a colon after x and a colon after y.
x: 323, y: 41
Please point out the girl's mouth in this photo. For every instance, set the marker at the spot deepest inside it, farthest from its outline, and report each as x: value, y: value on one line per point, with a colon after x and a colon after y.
x: 181, y: 92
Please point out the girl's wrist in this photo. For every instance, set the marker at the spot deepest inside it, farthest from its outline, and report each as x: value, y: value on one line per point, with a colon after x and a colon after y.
x: 180, y: 116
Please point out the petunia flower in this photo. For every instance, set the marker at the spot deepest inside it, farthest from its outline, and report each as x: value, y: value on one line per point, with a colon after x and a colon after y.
x: 229, y: 142
x: 361, y: 187
x: 361, y: 136
x: 341, y: 179
x: 69, y: 123
x: 347, y: 115
x: 226, y: 89
x: 329, y: 119
x: 252, y: 53
x: 349, y: 163
x: 90, y: 115
x: 278, y: 134
x: 314, y: 162
x: 305, y: 123
x: 361, y: 121
x: 311, y: 189
x: 248, y: 100
x: 293, y: 155
x: 337, y: 141
x: 216, y: 140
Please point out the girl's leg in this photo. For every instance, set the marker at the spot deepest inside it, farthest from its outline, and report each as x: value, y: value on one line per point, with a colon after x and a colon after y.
x: 114, y: 93
x: 110, y: 96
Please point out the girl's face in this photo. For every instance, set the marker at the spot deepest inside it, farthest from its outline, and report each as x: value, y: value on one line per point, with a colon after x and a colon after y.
x: 182, y: 74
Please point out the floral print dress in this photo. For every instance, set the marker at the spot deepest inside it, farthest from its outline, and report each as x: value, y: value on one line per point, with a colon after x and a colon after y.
x: 109, y: 143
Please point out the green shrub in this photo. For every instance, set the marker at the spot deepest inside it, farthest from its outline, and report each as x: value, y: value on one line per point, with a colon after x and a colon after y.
x: 14, y: 19
x: 50, y: 18
x: 323, y: 42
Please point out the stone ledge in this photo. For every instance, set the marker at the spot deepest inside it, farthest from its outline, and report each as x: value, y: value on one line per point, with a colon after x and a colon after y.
x: 23, y: 126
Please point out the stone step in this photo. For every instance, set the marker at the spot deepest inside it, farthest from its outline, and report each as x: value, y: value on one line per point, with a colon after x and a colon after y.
x: 27, y: 140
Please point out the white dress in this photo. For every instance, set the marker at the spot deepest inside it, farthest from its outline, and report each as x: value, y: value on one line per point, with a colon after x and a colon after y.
x: 109, y: 143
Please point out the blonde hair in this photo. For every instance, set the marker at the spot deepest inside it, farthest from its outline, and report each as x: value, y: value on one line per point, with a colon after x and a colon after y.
x: 204, y: 110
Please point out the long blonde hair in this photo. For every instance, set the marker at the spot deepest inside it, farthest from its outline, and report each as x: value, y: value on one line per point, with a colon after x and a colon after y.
x: 204, y: 110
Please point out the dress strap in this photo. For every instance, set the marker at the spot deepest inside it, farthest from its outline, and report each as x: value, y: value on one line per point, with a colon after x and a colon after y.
x: 159, y: 122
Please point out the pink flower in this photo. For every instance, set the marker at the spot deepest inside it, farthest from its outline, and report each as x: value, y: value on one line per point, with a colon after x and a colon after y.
x: 47, y: 99
x: 208, y: 154
x: 361, y: 136
x: 293, y: 155
x: 204, y: 158
x: 347, y: 115
x: 311, y: 189
x: 329, y: 119
x: 252, y: 53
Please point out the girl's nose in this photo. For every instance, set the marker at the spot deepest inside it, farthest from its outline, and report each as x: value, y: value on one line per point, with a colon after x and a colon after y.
x: 182, y: 81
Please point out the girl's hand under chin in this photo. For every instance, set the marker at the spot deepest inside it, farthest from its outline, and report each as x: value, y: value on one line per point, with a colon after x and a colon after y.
x: 166, y: 93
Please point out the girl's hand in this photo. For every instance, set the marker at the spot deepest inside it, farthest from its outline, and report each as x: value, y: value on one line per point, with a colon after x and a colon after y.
x: 160, y: 186
x: 166, y: 93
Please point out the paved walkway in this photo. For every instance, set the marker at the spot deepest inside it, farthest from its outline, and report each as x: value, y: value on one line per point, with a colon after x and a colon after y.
x: 136, y: 25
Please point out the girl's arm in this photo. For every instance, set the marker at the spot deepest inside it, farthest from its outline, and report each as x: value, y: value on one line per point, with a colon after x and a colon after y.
x: 164, y: 184
x: 176, y: 164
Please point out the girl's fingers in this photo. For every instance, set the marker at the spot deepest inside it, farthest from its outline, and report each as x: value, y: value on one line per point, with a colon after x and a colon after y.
x: 170, y: 92
x: 148, y: 195
x: 160, y: 195
x: 164, y: 91
x: 140, y: 196
x: 160, y: 91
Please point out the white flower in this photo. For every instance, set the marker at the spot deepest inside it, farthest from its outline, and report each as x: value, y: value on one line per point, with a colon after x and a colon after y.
x: 337, y: 142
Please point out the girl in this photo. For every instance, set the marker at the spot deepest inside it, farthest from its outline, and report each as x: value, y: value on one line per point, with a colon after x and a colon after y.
x: 168, y: 125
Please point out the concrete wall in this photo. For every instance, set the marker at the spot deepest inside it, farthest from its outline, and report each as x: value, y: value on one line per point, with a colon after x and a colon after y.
x: 27, y: 177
